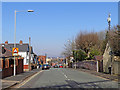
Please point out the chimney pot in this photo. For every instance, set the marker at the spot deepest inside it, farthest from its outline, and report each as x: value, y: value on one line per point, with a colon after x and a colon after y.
x: 6, y: 42
x: 21, y: 42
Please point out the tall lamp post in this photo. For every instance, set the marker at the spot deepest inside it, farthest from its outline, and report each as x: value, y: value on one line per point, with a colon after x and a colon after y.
x: 15, y: 36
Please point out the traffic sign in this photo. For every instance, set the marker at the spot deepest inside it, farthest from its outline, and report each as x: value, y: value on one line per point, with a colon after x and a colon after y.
x: 15, y: 51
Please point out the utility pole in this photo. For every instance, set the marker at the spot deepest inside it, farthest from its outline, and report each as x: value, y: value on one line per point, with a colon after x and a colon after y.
x: 76, y: 60
x: 45, y: 58
x: 29, y: 53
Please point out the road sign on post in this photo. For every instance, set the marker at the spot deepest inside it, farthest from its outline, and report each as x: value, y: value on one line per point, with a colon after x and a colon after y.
x: 15, y: 51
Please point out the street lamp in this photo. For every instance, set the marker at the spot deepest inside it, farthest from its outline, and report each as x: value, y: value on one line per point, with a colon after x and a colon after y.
x: 30, y: 11
x: 15, y: 36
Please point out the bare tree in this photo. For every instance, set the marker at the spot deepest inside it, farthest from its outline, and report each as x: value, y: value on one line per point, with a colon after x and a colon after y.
x: 114, y: 40
x: 85, y: 41
x: 68, y: 48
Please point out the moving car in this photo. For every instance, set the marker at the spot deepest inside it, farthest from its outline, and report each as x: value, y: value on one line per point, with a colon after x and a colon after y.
x: 45, y: 66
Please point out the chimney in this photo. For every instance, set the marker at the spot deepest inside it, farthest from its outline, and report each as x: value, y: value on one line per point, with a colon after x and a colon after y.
x: 6, y: 42
x: 21, y: 42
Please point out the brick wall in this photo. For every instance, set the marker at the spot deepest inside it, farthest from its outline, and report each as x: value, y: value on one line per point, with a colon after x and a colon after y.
x: 91, y: 65
x: 7, y: 72
x: 19, y: 67
x: 8, y: 68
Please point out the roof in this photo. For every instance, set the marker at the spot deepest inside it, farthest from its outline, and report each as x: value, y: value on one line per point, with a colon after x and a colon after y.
x: 98, y: 57
x: 41, y: 56
x: 7, y: 53
x: 22, y: 48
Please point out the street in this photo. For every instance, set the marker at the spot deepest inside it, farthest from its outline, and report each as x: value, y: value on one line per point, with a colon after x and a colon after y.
x: 67, y: 78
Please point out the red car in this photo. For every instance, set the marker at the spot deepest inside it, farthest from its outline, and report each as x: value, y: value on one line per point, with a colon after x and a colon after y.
x: 61, y: 66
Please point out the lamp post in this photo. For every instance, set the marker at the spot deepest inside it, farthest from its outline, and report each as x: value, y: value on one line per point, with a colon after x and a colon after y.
x: 15, y: 36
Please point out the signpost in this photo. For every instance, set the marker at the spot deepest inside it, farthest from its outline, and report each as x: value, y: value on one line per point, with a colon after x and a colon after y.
x: 15, y: 51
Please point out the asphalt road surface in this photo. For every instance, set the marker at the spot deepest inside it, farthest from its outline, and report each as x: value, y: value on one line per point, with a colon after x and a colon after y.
x: 68, y: 78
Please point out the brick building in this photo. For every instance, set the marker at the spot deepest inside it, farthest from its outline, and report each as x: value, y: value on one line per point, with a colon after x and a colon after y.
x: 23, y: 52
x: 41, y: 59
x: 7, y: 63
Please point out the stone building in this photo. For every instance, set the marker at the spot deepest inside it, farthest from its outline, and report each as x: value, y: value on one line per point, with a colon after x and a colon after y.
x: 111, y: 63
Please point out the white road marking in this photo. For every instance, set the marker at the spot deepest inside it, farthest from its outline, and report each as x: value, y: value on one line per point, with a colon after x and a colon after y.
x: 65, y: 76
x: 68, y: 79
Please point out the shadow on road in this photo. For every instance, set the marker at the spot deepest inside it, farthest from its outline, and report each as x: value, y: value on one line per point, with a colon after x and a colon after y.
x: 74, y: 84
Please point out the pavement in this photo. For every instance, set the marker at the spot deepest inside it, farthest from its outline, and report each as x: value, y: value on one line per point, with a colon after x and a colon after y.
x: 101, y: 74
x: 67, y: 78
x: 13, y: 80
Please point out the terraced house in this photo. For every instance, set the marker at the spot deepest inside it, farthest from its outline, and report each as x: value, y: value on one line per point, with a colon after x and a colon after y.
x: 23, y: 52
x: 7, y: 63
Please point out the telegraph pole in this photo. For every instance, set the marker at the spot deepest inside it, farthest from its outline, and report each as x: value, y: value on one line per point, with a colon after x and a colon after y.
x: 29, y: 53
x: 46, y: 57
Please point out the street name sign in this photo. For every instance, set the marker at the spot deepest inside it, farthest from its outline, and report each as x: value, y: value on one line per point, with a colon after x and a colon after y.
x: 15, y: 51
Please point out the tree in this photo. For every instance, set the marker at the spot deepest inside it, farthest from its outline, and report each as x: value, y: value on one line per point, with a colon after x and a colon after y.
x: 79, y: 55
x: 68, y: 48
x: 94, y: 52
x: 86, y: 41
x: 102, y: 41
x: 114, y: 40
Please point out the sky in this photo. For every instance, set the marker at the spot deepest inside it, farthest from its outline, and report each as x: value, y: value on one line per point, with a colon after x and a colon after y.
x: 53, y: 23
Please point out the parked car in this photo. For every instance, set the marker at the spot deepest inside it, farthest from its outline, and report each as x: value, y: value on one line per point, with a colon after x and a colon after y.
x: 56, y: 66
x: 45, y: 66
x: 60, y: 66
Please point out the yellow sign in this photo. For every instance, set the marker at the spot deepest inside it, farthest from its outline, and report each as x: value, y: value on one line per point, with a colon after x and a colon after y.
x: 15, y: 51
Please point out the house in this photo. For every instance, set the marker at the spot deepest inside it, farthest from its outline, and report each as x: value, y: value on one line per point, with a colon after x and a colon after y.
x: 33, y: 61
x: 99, y: 64
x: 48, y: 59
x: 34, y: 58
x: 111, y: 63
x: 107, y: 59
x: 41, y: 59
x: 23, y: 52
x: 7, y: 63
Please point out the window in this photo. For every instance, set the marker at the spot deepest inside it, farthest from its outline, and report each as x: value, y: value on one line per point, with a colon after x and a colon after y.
x: 3, y: 62
x: 11, y: 62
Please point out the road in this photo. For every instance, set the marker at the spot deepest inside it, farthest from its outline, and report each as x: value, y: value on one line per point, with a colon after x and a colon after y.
x: 67, y: 78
